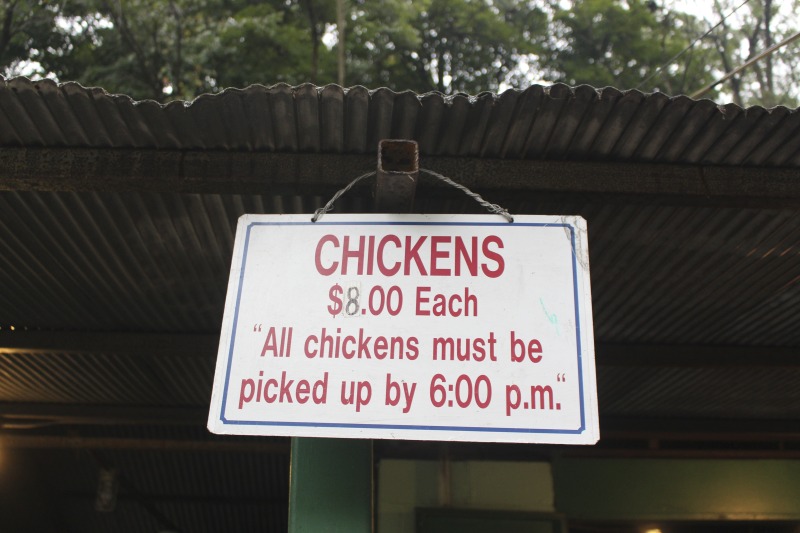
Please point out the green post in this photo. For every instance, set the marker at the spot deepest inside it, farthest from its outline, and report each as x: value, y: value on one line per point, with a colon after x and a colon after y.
x: 331, y: 480
x: 330, y: 487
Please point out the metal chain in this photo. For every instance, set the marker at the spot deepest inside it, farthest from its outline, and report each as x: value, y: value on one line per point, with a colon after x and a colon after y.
x: 492, y: 208
x: 329, y: 206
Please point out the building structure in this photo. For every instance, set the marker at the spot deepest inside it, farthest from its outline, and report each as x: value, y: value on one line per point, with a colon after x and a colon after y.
x: 116, y: 229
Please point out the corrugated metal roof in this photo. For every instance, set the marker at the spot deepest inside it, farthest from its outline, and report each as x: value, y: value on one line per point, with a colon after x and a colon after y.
x: 555, y: 122
x: 160, y: 263
x: 145, y: 262
x: 105, y: 379
x: 705, y: 393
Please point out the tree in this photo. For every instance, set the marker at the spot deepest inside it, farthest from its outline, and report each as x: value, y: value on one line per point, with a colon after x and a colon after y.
x: 26, y: 31
x: 609, y: 42
x: 167, y: 49
x: 180, y: 48
x: 753, y: 29
x: 266, y: 43
x: 444, y: 45
x: 137, y: 47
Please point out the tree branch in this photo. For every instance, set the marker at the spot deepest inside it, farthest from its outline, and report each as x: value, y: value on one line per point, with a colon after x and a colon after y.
x: 313, y: 22
x: 8, y: 21
x: 121, y: 22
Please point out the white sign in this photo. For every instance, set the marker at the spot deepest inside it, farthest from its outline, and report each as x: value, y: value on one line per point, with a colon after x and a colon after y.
x: 440, y: 327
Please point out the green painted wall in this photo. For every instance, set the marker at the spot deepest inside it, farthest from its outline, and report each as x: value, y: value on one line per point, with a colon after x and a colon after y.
x: 677, y: 489
x: 404, y: 485
x: 331, y: 486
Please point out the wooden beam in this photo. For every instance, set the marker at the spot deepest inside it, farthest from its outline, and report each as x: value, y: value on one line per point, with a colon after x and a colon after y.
x: 205, y: 346
x: 15, y: 414
x: 194, y: 499
x: 695, y: 356
x: 20, y: 414
x: 134, y: 344
x: 48, y: 442
x: 117, y: 170
x: 699, y: 429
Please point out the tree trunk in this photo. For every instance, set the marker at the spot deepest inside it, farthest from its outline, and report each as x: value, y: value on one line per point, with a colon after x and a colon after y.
x: 5, y: 34
x: 722, y: 48
x: 177, y: 63
x: 341, y: 24
x: 769, y: 90
x: 149, y: 73
x: 315, y: 37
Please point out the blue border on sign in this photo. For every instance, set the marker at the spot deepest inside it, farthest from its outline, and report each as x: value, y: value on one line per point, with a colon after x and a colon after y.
x: 571, y: 229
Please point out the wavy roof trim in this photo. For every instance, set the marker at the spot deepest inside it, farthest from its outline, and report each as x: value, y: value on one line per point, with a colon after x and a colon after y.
x: 556, y: 122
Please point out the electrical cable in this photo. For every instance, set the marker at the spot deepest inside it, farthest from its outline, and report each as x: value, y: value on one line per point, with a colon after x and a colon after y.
x: 679, y: 54
x: 740, y: 68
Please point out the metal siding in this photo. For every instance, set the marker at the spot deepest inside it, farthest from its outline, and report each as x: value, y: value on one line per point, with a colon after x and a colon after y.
x: 540, y: 122
x: 147, y: 262
x: 404, y: 118
x: 331, y: 116
x: 306, y: 100
x: 672, y: 392
x: 593, y: 124
x: 356, y: 119
x: 381, y: 109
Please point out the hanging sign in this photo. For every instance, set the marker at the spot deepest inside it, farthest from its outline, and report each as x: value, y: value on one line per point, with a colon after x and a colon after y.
x: 440, y: 327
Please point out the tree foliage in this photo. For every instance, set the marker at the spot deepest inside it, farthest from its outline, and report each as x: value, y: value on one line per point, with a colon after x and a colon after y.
x: 753, y: 29
x: 167, y: 49
x: 26, y: 31
x: 607, y: 42
x: 444, y: 45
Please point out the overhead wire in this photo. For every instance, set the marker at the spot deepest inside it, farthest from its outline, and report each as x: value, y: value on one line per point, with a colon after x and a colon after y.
x: 740, y: 68
x: 691, y: 45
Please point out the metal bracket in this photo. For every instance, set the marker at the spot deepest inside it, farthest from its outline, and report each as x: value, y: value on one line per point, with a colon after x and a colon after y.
x: 397, y: 176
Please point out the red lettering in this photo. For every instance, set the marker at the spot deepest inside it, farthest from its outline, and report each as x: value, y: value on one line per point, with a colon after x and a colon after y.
x: 370, y: 254
x: 379, y: 348
x: 246, y: 392
x: 412, y: 253
x: 494, y: 256
x: 285, y: 393
x: 358, y: 253
x: 311, y: 338
x: 270, y: 398
x: 348, y: 354
x: 422, y: 300
x: 318, y: 255
x: 363, y: 344
x: 441, y: 255
x: 437, y: 254
x: 519, y: 351
x: 302, y: 391
x: 470, y: 260
x: 381, y: 265
x: 413, y: 349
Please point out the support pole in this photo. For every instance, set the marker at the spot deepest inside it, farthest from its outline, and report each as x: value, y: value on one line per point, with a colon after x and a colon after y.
x: 331, y: 486
x: 398, y: 172
x: 331, y: 480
